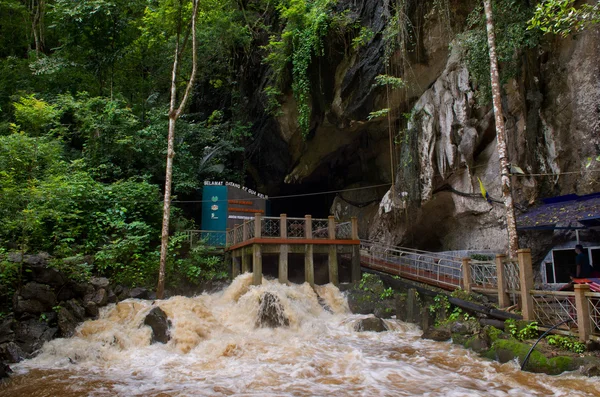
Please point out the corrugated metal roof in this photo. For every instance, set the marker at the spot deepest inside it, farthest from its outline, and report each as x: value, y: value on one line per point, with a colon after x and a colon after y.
x: 570, y: 211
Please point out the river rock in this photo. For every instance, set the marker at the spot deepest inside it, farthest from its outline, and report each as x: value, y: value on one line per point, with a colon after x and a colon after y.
x: 75, y: 308
x: 270, y: 312
x: 7, y: 333
x: 21, y: 305
x: 159, y: 322
x: 111, y: 297
x: 370, y: 324
x: 91, y: 309
x: 11, y: 353
x: 66, y: 322
x: 437, y: 334
x: 4, y: 370
x: 139, y: 293
x: 30, y: 335
x: 100, y: 297
x: 65, y: 294
x: 40, y: 292
x: 46, y: 275
x: 83, y: 289
x: 99, y: 282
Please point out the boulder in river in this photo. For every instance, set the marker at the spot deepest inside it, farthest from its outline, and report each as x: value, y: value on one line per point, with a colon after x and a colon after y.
x: 270, y: 312
x: 437, y: 334
x: 66, y: 322
x: 139, y: 293
x: 4, y: 370
x: 159, y: 322
x: 370, y: 324
x: 11, y: 353
x: 100, y: 298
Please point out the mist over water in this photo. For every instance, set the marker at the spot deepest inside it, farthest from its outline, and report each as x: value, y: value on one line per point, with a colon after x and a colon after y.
x: 216, y: 350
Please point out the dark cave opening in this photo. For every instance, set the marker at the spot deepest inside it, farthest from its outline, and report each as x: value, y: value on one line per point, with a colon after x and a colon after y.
x: 303, y: 199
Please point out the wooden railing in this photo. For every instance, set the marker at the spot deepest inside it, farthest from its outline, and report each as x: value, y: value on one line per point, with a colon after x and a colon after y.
x: 282, y: 227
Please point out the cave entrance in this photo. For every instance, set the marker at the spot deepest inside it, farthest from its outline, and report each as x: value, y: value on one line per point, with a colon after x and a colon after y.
x: 305, y: 199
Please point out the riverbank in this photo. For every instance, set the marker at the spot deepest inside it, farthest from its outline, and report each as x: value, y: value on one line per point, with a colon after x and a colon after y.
x: 52, y: 303
x: 479, y: 329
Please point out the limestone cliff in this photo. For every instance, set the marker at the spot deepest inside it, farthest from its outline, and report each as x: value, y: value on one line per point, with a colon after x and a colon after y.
x: 552, y: 112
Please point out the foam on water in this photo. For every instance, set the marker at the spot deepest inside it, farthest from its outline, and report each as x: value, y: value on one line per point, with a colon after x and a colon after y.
x: 215, y: 349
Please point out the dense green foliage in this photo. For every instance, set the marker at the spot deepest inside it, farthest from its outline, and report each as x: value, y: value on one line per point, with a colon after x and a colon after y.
x: 512, y: 38
x: 84, y: 91
x: 306, y: 23
x: 562, y: 17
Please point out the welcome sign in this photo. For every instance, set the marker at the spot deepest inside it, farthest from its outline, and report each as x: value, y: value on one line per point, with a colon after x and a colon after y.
x: 227, y: 204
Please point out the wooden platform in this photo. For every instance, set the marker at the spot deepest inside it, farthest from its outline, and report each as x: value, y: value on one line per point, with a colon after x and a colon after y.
x: 283, y: 236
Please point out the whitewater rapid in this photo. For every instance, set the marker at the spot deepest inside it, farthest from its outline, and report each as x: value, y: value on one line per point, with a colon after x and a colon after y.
x: 216, y: 350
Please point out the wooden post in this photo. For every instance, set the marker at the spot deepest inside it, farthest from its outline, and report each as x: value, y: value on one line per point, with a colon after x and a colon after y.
x: 227, y: 241
x: 526, y: 283
x: 244, y: 231
x: 333, y: 263
x: 584, y: 322
x: 283, y: 251
x: 235, y: 266
x: 245, y: 262
x: 309, y: 265
x: 256, y: 264
x: 257, y: 225
x: 503, y: 298
x: 354, y: 222
x: 356, y: 274
x: 466, y: 273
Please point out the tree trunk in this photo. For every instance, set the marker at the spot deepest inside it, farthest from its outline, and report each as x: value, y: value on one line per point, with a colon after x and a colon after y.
x: 511, y: 225
x: 173, y: 116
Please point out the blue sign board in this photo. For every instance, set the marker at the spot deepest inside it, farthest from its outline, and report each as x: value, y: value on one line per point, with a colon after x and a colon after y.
x: 214, y: 208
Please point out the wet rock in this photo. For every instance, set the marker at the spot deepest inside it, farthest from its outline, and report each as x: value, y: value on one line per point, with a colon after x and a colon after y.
x: 82, y: 289
x: 437, y: 334
x: 46, y: 275
x: 11, y: 353
x: 111, y: 297
x: 30, y: 335
x: 91, y: 309
x: 270, y: 312
x: 123, y: 294
x: 100, y: 297
x: 4, y: 370
x: 66, y: 322
x: 65, y: 294
x: 159, y: 322
x: 459, y: 328
x: 21, y: 305
x: 99, y: 282
x: 139, y: 293
x: 370, y: 324
x: 76, y: 309
x: 7, y: 333
x: 40, y: 292
x: 591, y: 370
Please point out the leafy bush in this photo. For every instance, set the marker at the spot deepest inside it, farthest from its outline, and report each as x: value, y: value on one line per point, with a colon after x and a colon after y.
x: 568, y: 343
x: 521, y: 330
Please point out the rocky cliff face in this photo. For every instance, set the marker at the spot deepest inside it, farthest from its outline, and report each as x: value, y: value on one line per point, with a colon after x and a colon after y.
x: 552, y: 110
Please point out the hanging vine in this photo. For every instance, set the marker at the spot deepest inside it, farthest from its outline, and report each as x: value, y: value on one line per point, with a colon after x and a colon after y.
x: 306, y: 24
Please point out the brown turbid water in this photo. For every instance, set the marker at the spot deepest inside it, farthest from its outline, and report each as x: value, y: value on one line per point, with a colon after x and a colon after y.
x: 216, y: 350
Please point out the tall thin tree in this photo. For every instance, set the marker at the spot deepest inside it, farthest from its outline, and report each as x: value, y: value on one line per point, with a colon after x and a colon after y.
x: 511, y: 224
x: 174, y: 113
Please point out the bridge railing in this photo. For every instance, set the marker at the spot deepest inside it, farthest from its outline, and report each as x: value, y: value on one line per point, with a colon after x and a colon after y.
x: 432, y: 268
x: 283, y: 227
